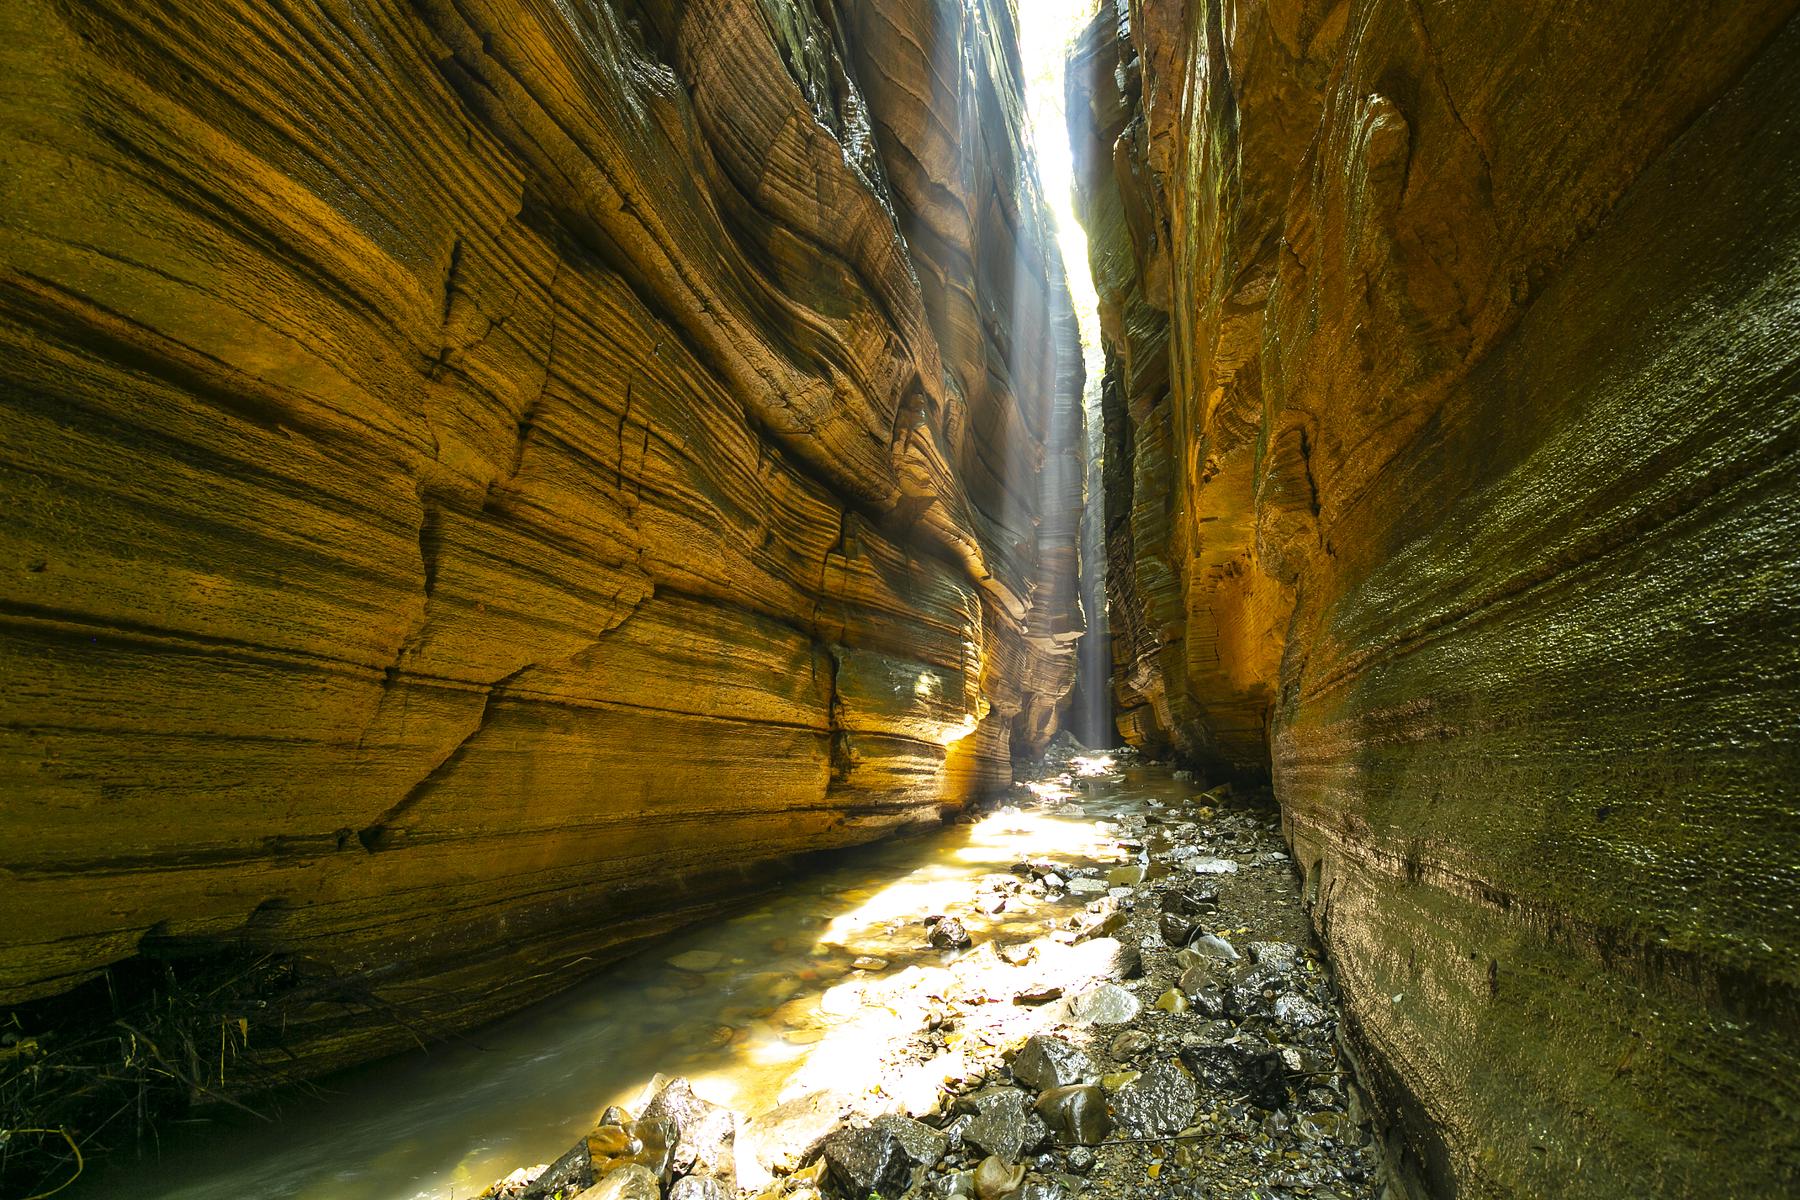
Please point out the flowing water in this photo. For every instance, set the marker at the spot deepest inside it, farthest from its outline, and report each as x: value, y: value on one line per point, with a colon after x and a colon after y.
x: 745, y: 1006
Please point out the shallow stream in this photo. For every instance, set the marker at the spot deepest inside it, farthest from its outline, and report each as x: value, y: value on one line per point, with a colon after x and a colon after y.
x: 743, y: 1006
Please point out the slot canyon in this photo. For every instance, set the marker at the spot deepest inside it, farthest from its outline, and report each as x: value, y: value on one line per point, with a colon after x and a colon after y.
x: 923, y: 599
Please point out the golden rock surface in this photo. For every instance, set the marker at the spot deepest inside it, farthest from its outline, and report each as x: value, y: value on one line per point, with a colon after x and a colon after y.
x: 485, y: 479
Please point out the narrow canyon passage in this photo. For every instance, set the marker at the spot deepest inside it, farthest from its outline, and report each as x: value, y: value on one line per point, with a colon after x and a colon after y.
x: 826, y: 1003
x: 818, y: 599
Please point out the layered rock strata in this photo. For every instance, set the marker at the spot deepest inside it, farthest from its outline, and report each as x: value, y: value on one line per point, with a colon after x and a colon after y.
x: 1451, y: 440
x: 485, y: 477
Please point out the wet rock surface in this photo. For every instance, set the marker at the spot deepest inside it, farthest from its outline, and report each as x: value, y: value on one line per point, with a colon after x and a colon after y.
x: 1418, y: 318
x: 978, y: 1096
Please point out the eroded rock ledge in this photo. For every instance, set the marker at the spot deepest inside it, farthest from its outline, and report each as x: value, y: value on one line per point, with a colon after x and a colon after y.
x: 1451, y: 447
x: 485, y: 476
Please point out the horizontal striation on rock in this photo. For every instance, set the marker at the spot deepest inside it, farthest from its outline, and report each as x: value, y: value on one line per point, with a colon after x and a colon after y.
x: 1450, y: 437
x: 487, y: 478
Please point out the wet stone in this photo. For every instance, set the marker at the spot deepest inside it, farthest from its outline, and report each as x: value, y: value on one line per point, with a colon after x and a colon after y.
x: 1003, y: 1123
x: 1192, y: 902
x: 569, y: 1174
x: 1209, y: 1002
x: 1076, y: 1115
x: 947, y: 933
x: 1213, y: 866
x: 1037, y: 1187
x: 1249, y: 1068
x: 1046, y: 1062
x: 924, y: 1145
x: 996, y: 1180
x: 864, y: 1162
x: 1298, y: 1011
x: 1087, y: 887
x: 1278, y: 956
x: 1176, y: 929
x: 1254, y: 994
x: 869, y: 962
x: 1081, y: 1160
x: 705, y: 1132
x: 626, y: 1183
x: 1159, y: 1102
x: 698, y: 1187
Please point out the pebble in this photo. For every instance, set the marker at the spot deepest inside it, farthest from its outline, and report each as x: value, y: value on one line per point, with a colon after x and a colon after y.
x: 1129, y: 1044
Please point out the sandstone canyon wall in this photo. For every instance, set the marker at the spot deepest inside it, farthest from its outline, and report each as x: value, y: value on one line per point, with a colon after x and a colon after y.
x: 1451, y: 431
x: 487, y: 478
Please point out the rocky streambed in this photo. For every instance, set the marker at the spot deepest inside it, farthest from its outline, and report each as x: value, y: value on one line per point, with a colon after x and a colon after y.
x: 1135, y: 1013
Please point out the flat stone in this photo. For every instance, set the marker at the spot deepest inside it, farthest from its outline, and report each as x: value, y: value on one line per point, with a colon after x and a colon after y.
x: 787, y: 1135
x: 1211, y: 945
x: 869, y: 962
x: 1037, y: 995
x: 1087, y: 887
x: 1107, y: 1004
x: 1105, y: 958
x: 1214, y: 866
x: 1129, y: 1044
x: 699, y: 961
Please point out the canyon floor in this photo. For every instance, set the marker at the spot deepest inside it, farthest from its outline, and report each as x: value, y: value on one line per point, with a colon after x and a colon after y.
x: 1103, y: 987
x: 1134, y: 1014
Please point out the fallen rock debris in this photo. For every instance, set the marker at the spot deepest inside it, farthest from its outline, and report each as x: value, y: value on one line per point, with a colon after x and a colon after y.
x: 1174, y: 1035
